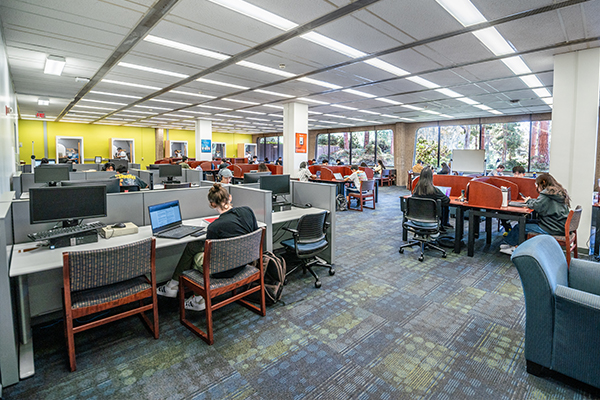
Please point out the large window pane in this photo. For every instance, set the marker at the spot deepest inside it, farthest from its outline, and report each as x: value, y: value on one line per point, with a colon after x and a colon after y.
x: 506, y: 144
x: 385, y: 147
x: 426, y: 146
x: 363, y: 147
x: 271, y: 148
x: 322, y: 151
x: 540, y: 146
x: 461, y: 137
x: 339, y: 147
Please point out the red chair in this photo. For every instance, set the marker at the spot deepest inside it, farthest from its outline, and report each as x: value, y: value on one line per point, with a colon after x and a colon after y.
x: 365, y: 194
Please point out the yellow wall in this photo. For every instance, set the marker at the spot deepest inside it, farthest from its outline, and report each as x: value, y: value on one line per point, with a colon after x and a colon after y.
x: 96, y: 139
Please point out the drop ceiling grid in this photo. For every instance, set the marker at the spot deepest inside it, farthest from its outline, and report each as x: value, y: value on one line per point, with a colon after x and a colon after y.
x: 536, y: 31
x: 298, y: 12
x: 498, y: 9
x: 379, y: 22
x: 157, y: 61
x: 154, y: 53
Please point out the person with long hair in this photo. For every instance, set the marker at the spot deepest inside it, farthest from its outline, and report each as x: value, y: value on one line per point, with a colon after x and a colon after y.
x: 425, y: 189
x: 232, y: 222
x: 379, y: 167
x: 262, y: 167
x: 552, y: 207
x: 445, y: 170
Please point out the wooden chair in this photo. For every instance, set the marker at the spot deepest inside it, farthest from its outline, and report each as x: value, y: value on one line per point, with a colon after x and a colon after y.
x: 98, y: 280
x: 386, y: 177
x: 569, y: 239
x: 222, y: 255
x: 366, y: 193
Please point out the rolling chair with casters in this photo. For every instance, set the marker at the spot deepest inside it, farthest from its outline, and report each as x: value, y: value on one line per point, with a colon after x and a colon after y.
x: 422, y: 217
x: 309, y: 239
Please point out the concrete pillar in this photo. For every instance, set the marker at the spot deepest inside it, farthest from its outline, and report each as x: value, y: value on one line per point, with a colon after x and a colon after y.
x: 295, y: 120
x: 575, y: 128
x: 160, y: 143
x: 203, y: 132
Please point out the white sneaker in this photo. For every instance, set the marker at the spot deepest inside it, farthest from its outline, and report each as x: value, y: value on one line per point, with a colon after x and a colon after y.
x: 509, y: 250
x: 167, y: 291
x: 505, y: 246
x: 195, y: 303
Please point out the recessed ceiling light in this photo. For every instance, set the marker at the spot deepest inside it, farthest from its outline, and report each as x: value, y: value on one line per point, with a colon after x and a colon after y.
x: 384, y: 100
x: 193, y: 94
x: 319, y: 83
x: 359, y: 93
x: 185, y: 47
x: 273, y: 93
x: 240, y: 101
x: 130, y: 84
x: 115, y: 94
x: 222, y: 83
x: 154, y: 70
x: 54, y: 65
x: 264, y: 68
x: 43, y: 102
x: 257, y: 13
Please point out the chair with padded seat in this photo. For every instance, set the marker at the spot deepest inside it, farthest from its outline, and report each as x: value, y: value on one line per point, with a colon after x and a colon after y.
x: 309, y: 239
x: 99, y: 280
x: 386, y: 177
x: 366, y: 193
x: 422, y: 218
x: 569, y: 239
x: 222, y: 255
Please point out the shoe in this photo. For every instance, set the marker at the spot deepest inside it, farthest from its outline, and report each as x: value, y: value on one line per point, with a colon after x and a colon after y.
x: 442, y: 229
x: 447, y: 226
x: 167, y: 291
x: 435, y: 236
x: 505, y: 246
x: 509, y: 250
x: 195, y: 303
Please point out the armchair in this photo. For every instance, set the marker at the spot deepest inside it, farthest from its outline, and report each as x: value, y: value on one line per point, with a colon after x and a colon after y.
x: 562, y: 310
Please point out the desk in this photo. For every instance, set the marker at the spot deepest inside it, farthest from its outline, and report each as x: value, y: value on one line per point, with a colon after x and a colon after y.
x: 340, y: 183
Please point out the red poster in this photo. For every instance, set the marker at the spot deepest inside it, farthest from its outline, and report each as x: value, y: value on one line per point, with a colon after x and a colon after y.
x: 301, y: 142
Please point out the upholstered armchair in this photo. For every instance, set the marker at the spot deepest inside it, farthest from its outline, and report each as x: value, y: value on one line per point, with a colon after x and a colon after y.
x: 562, y: 328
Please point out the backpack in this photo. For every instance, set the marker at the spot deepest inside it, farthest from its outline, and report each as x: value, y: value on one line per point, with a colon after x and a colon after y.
x: 275, y: 269
x: 340, y: 203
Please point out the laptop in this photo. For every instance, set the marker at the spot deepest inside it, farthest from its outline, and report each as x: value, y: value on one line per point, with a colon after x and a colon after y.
x: 338, y: 176
x: 517, y: 204
x: 166, y: 222
x: 445, y: 189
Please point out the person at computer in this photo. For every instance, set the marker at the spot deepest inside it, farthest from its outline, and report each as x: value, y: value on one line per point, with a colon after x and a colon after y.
x: 225, y: 175
x: 445, y: 170
x: 304, y: 174
x: 108, y: 167
x: 552, y: 207
x: 499, y: 171
x: 418, y: 167
x: 121, y: 155
x: 127, y: 179
x: 266, y: 160
x: 183, y: 163
x: 426, y: 189
x: 518, y: 171
x: 279, y: 161
x: 74, y: 157
x: 262, y: 167
x: 232, y: 222
x: 356, y: 177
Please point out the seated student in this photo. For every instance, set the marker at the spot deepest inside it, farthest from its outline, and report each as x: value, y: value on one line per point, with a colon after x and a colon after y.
x: 304, y: 174
x: 198, y: 167
x: 356, y: 177
x: 266, y: 160
x: 339, y: 162
x: 378, y: 167
x: 44, y: 161
x: 499, y: 170
x: 232, y: 222
x: 262, y: 167
x: 183, y: 163
x: 364, y: 164
x: 519, y: 171
x: 127, y: 179
x: 425, y: 189
x: 254, y: 160
x: 445, y: 170
x: 108, y: 167
x: 279, y: 161
x: 121, y: 154
x: 325, y: 162
x: 225, y: 175
x: 418, y: 167
x: 552, y: 207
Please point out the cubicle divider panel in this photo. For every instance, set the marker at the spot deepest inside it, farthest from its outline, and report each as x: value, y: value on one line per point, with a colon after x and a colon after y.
x: 16, y: 184
x: 77, y: 176
x: 260, y: 201
x: 7, y: 197
x: 192, y: 175
x: 124, y: 207
x: 526, y: 185
x: 206, y: 183
x: 27, y: 181
x: 133, y: 166
x: 98, y: 175
x: 26, y: 168
x: 193, y: 202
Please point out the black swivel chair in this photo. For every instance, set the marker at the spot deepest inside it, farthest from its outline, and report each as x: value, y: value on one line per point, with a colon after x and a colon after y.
x: 309, y: 239
x: 422, y: 217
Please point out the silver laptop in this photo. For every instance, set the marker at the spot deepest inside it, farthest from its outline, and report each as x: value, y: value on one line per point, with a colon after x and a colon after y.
x: 338, y: 176
x: 445, y: 189
x: 166, y: 221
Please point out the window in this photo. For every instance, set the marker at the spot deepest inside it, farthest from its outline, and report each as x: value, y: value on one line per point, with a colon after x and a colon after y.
x: 339, y: 147
x: 385, y: 147
x: 322, y: 152
x: 270, y: 147
x: 539, y: 153
x: 356, y: 147
x: 363, y: 147
x: 506, y: 144
x: 426, y: 146
x: 458, y: 137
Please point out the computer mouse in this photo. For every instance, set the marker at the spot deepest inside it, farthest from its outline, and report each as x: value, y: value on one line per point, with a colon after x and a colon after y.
x: 308, y: 205
x: 119, y: 225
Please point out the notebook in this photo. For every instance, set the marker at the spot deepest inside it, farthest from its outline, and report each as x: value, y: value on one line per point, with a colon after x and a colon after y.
x: 166, y: 222
x: 445, y: 189
x: 338, y: 176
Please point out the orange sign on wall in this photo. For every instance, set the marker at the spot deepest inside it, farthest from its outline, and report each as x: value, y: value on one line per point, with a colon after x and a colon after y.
x: 301, y: 142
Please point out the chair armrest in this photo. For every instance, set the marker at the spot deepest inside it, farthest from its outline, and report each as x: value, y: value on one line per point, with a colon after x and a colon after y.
x: 327, y: 224
x: 294, y: 231
x: 585, y: 276
x: 577, y: 298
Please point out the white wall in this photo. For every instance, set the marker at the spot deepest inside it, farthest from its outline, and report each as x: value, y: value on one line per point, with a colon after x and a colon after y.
x: 9, y: 153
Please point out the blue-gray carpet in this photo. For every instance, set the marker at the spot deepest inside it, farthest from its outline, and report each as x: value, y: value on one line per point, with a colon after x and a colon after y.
x: 386, y: 326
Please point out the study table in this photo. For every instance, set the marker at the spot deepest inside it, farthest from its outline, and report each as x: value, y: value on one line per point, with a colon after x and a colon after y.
x: 340, y: 183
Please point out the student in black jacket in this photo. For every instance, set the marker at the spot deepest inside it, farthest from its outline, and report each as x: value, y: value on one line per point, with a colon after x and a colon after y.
x: 425, y: 189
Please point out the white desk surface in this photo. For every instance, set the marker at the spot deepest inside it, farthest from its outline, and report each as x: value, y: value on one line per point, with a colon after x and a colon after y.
x: 44, y: 259
x: 293, y: 214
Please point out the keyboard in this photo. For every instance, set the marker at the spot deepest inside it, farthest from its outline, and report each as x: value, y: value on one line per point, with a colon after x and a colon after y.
x: 58, y: 232
x: 179, y: 232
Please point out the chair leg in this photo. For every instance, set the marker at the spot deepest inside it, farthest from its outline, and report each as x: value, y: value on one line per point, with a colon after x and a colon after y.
x: 70, y: 336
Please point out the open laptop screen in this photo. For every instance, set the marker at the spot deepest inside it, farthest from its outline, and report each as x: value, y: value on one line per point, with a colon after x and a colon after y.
x: 445, y: 189
x: 164, y: 216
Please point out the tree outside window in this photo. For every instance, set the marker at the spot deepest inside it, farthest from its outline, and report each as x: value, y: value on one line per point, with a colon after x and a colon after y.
x: 506, y: 144
x: 540, y: 146
x: 385, y: 147
x: 339, y: 147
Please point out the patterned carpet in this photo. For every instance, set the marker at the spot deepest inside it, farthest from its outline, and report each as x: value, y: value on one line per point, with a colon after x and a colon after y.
x: 386, y: 326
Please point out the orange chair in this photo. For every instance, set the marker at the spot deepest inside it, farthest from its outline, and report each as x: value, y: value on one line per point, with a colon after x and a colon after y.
x: 366, y: 193
x: 569, y: 240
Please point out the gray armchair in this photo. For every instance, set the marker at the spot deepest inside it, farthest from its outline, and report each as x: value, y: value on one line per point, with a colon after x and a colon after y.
x: 562, y: 328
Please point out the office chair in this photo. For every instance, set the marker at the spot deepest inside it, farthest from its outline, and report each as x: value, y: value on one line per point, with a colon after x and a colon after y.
x: 422, y: 217
x: 129, y: 188
x: 98, y: 280
x: 309, y: 239
x: 222, y: 255
x: 366, y: 193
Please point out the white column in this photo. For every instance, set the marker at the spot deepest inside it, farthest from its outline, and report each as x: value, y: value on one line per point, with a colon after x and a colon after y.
x: 295, y: 120
x: 203, y: 131
x: 575, y: 129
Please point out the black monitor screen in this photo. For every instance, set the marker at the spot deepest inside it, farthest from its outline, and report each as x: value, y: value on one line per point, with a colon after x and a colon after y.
x: 118, y: 162
x: 254, y: 177
x: 278, y: 184
x: 66, y: 203
x: 50, y: 173
x: 112, y: 185
x: 165, y: 170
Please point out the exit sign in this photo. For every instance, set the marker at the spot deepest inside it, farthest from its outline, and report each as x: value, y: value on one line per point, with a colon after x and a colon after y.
x: 40, y: 115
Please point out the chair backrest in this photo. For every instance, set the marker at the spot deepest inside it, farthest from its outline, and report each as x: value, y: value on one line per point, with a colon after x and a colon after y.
x: 422, y: 210
x: 129, y: 188
x: 385, y: 173
x: 224, y: 254
x: 573, y: 220
x: 311, y: 227
x: 94, y: 268
x: 367, y: 186
x: 542, y: 266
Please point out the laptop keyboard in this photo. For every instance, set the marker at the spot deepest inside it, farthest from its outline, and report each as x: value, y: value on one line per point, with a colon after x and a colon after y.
x: 180, y: 231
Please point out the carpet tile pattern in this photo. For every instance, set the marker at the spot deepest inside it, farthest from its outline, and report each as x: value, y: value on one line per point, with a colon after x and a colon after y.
x: 385, y: 326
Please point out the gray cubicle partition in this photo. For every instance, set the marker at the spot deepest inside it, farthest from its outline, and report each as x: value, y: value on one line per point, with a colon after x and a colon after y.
x: 191, y: 175
x: 133, y: 166
x: 193, y: 202
x: 7, y: 197
x: 28, y: 182
x: 26, y: 168
x: 15, y: 184
x: 260, y: 202
x: 9, y: 365
x: 98, y: 175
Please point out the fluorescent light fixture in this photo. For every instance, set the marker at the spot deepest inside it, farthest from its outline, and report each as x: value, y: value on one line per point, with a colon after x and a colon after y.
x: 95, y: 108
x: 463, y: 10
x: 384, y: 100
x: 229, y: 116
x: 273, y: 93
x: 115, y: 94
x: 195, y: 112
x: 314, y: 112
x: 257, y: 13
x: 218, y: 83
x: 359, y: 93
x: 412, y: 107
x: 43, y: 102
x: 258, y: 119
x: 344, y: 107
x: 54, y: 65
x: 548, y: 100
x: 171, y: 102
x: 275, y: 115
x: 251, y: 112
x: 272, y: 106
x: 328, y: 122
x: 431, y: 112
x: 531, y: 81
x: 483, y: 107
x: 185, y: 47
x: 141, y: 112
x: 89, y: 112
x: 493, y: 40
x: 448, y: 92
x: 319, y: 83
x: 407, y: 119
x: 445, y: 116
x: 154, y: 70
x: 376, y: 62
x: 369, y: 112
x: 258, y: 67
x: 390, y: 116
x: 155, y: 108
x: 306, y: 99
x: 516, y: 65
x: 105, y: 102
x: 467, y: 100
x: 240, y: 101
x: 215, y: 108
x: 333, y: 44
x: 423, y: 82
x: 495, y: 112
x: 193, y: 94
x: 130, y: 84
x: 357, y: 119
x: 542, y: 92
x: 82, y: 79
x: 334, y: 116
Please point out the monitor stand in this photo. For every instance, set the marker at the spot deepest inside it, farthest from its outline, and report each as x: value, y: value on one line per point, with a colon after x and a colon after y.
x: 170, y: 180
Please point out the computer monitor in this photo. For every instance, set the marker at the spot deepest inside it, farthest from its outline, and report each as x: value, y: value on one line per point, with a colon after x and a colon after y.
x: 112, y: 185
x: 37, y: 163
x: 169, y: 171
x: 254, y: 177
x: 278, y: 184
x: 50, y: 174
x: 118, y: 161
x: 66, y: 204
